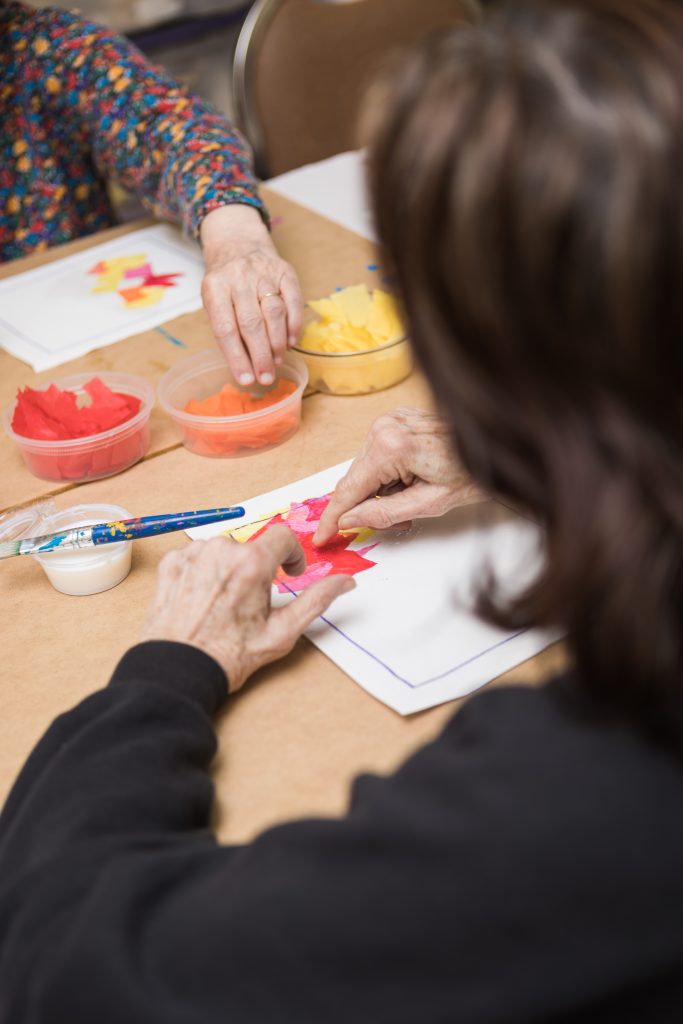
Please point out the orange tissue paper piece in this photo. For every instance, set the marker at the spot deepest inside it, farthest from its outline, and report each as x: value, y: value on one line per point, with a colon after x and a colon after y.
x: 56, y: 415
x: 230, y: 401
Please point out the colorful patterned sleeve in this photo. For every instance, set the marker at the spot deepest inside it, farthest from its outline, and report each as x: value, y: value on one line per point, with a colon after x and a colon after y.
x: 146, y: 132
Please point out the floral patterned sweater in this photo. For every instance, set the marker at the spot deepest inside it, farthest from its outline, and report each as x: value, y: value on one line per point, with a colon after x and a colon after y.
x: 79, y: 105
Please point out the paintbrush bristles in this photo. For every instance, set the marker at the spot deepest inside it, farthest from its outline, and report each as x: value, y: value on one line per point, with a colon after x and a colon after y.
x: 9, y: 548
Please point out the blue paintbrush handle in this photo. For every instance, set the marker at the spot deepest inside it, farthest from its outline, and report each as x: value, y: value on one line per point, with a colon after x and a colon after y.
x: 112, y: 533
x: 151, y: 526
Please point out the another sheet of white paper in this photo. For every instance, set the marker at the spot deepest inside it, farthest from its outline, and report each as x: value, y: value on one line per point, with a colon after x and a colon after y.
x: 52, y: 314
x: 407, y: 634
x: 334, y: 188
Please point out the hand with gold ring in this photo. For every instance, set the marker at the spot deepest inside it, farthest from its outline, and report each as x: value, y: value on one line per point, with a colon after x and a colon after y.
x: 251, y: 295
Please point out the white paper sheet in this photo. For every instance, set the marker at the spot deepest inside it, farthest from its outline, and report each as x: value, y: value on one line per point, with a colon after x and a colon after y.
x: 52, y: 314
x: 335, y: 188
x: 406, y: 634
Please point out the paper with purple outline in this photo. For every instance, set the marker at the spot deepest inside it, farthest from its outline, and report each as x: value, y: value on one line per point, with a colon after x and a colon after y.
x: 406, y: 634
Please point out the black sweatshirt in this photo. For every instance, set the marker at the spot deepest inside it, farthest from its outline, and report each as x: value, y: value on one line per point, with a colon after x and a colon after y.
x: 526, y: 866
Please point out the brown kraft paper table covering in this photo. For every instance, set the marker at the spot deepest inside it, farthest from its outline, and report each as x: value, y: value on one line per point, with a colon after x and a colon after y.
x: 292, y: 741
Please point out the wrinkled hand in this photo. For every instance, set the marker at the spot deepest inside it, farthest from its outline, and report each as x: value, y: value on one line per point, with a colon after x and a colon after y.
x: 251, y: 295
x: 405, y: 470
x: 215, y: 595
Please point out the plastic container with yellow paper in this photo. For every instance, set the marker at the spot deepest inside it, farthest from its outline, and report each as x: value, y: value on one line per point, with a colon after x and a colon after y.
x: 357, y: 345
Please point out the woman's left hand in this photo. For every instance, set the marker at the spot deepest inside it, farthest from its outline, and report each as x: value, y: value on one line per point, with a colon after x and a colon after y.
x: 406, y: 470
x: 250, y: 293
x: 216, y: 595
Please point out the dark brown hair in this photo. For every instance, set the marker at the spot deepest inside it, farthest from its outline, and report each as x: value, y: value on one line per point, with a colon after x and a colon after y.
x: 527, y: 178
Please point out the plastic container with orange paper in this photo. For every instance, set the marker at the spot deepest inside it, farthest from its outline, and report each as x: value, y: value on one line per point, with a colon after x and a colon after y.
x: 217, y: 418
x: 82, y: 427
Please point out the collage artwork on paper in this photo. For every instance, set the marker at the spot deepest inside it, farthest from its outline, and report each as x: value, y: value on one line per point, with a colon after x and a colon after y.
x: 101, y: 295
x: 133, y: 280
x: 407, y: 633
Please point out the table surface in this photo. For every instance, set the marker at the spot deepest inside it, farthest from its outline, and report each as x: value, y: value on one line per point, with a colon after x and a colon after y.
x: 293, y: 740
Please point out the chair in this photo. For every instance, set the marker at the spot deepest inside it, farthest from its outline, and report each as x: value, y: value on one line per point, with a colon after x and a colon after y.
x: 302, y: 68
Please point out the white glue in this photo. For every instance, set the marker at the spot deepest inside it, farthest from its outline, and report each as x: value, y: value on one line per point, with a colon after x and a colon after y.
x: 88, y: 570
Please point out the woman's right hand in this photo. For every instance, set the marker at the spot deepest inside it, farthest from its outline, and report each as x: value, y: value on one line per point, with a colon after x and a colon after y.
x: 405, y: 470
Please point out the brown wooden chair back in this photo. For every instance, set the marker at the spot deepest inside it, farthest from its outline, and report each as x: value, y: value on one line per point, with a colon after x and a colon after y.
x: 303, y: 67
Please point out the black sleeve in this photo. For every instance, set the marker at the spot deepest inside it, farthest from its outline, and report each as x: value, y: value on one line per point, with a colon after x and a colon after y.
x: 117, y: 904
x: 476, y: 884
x: 117, y: 785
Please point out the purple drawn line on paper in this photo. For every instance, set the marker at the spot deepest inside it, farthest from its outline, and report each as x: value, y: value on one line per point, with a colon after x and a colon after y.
x: 393, y: 672
x: 424, y: 682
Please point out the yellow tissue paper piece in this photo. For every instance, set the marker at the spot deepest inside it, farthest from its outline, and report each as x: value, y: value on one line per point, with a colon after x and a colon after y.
x: 112, y: 270
x: 384, y: 320
x: 335, y: 337
x: 356, y: 304
x: 352, y: 320
x: 327, y: 310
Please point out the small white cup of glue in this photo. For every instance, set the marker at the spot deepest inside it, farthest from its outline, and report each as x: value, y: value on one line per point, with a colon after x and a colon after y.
x: 87, y: 570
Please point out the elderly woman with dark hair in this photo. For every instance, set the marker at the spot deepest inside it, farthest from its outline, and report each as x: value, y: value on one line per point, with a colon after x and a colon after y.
x: 526, y: 865
x: 80, y: 107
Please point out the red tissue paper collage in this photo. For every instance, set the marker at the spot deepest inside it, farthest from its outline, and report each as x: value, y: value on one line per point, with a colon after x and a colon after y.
x: 335, y: 559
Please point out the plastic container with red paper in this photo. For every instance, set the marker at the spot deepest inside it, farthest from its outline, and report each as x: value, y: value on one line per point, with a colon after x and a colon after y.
x: 216, y: 418
x: 82, y: 427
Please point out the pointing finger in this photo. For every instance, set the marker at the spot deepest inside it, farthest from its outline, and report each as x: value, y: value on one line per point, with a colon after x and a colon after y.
x: 282, y: 548
x: 286, y: 625
x: 252, y: 328
x: 383, y: 513
x: 218, y: 305
x: 361, y: 482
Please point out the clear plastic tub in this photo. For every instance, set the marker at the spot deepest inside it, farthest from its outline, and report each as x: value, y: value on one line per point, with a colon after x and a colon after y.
x: 96, y: 456
x: 29, y: 521
x: 203, y: 375
x: 359, y: 373
x: 87, y: 571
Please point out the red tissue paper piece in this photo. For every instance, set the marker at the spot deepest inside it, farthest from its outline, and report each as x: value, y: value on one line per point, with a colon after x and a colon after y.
x: 54, y: 415
x: 161, y: 280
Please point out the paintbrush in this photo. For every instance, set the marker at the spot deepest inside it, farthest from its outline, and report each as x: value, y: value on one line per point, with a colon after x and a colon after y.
x: 112, y: 533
